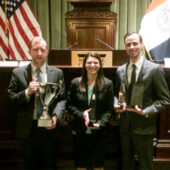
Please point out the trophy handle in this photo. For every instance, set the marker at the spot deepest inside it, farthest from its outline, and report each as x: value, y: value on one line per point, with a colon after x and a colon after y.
x: 48, y: 96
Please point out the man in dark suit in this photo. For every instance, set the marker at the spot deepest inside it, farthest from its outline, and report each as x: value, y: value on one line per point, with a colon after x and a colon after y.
x: 38, y: 142
x: 138, y: 120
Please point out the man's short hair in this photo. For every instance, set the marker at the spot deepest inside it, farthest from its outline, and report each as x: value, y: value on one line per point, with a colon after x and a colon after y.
x: 36, y: 38
x: 130, y: 33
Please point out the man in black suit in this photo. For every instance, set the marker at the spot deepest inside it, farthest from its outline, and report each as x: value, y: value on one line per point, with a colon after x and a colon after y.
x: 138, y: 121
x: 38, y: 142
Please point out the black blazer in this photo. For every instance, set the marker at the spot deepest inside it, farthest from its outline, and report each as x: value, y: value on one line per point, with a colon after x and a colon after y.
x: 20, y: 80
x: 155, y: 98
x: 78, y: 103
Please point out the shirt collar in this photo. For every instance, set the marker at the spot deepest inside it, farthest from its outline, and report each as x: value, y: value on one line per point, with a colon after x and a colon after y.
x: 43, y: 68
x: 138, y: 63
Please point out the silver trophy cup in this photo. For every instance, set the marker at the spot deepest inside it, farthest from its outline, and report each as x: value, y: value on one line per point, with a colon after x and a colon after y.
x: 48, y: 92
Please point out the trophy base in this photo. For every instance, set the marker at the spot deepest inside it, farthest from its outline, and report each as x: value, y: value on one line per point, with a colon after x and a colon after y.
x: 121, y: 106
x: 44, y: 122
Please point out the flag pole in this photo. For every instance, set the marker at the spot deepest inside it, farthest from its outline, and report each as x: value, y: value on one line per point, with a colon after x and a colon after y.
x: 148, y: 53
x: 6, y: 17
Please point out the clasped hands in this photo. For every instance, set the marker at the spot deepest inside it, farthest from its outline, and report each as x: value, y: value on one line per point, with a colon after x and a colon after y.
x: 122, y: 108
x: 87, y: 120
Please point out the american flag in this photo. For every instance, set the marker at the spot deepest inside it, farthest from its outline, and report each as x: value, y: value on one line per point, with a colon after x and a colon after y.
x: 18, y: 26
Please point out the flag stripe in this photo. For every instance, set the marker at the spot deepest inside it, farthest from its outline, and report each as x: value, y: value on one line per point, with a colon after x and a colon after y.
x: 4, y: 37
x: 11, y: 52
x: 22, y: 43
x: 32, y: 18
x: 161, y: 51
x: 2, y: 22
x: 17, y: 44
x: 26, y: 18
x: 154, y: 4
x: 3, y: 49
x: 24, y: 40
x: 20, y: 29
x: 24, y: 25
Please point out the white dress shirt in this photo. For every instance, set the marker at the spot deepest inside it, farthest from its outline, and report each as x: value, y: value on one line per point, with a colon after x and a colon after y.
x: 138, y: 68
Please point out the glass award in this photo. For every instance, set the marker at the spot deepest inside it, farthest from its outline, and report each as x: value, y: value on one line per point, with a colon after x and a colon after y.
x: 92, y: 114
x: 137, y: 95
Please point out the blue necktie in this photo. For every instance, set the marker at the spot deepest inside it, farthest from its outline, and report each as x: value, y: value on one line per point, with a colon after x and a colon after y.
x: 39, y: 102
x: 38, y: 71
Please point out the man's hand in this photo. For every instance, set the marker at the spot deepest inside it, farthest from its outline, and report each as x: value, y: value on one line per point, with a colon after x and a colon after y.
x: 54, y: 122
x: 120, y: 108
x: 137, y: 110
x: 33, y: 87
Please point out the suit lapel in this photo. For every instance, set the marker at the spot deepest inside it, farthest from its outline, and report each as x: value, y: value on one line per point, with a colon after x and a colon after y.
x: 49, y: 74
x: 125, y: 78
x: 28, y: 74
x: 142, y: 71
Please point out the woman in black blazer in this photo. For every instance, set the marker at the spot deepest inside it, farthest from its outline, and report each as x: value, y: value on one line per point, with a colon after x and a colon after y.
x: 90, y: 94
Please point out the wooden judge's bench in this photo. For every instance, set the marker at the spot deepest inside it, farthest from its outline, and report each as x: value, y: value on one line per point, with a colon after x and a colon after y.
x: 10, y: 147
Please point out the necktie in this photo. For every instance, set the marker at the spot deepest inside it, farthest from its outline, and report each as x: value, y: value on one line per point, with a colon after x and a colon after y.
x: 39, y: 102
x: 38, y: 71
x: 133, y: 75
x: 133, y: 80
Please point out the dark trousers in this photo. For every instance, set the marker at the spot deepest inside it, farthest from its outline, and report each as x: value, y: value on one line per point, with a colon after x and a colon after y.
x: 90, y: 150
x: 141, y: 145
x: 39, y: 148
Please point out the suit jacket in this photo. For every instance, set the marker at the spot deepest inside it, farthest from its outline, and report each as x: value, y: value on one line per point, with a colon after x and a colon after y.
x: 78, y: 103
x: 155, y: 98
x: 20, y: 80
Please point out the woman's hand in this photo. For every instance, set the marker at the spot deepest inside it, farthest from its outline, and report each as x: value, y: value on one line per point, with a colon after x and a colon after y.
x: 86, y: 116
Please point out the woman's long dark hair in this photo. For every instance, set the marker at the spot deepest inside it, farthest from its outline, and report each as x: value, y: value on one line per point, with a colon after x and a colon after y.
x: 100, y: 82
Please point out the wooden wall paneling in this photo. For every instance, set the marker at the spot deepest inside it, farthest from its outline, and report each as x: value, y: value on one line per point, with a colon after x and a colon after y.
x: 65, y: 57
x: 85, y: 34
x: 163, y: 143
x: 87, y: 22
x: 59, y: 57
x: 7, y: 119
